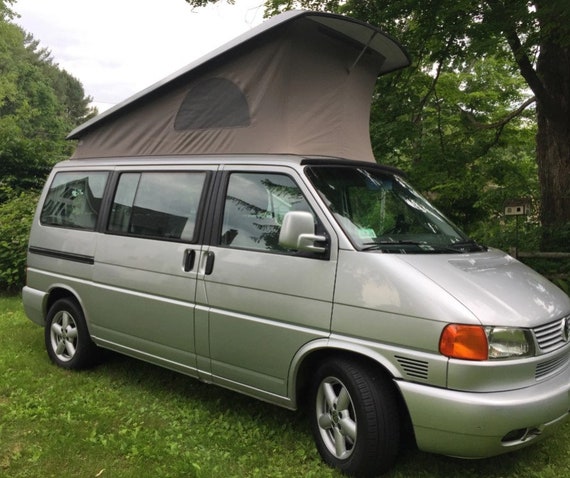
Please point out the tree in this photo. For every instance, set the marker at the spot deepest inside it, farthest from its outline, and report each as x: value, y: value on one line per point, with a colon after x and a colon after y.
x: 39, y: 105
x: 450, y: 37
x: 542, y: 31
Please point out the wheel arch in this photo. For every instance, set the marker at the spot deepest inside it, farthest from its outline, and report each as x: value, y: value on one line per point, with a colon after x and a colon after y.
x: 311, y: 355
x: 62, y: 291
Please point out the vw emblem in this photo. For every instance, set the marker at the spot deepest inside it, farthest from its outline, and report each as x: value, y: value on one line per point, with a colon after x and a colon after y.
x: 566, y: 328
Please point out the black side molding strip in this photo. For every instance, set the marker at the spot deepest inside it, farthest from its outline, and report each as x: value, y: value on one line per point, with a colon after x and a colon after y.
x: 68, y: 256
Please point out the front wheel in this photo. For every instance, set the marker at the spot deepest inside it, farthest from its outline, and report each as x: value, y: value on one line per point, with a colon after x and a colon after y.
x: 67, y: 338
x: 355, y: 418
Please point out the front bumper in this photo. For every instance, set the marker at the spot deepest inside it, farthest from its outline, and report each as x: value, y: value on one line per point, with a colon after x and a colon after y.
x: 479, y: 425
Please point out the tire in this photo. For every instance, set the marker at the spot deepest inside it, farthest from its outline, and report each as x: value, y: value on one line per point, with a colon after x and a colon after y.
x: 67, y: 338
x: 354, y: 418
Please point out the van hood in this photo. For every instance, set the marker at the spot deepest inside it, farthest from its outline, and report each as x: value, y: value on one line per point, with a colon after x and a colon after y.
x: 495, y: 287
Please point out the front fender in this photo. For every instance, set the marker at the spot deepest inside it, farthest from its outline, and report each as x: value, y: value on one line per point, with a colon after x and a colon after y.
x: 328, y: 347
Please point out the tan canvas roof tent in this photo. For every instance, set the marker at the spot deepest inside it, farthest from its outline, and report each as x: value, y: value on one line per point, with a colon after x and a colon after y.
x: 299, y: 83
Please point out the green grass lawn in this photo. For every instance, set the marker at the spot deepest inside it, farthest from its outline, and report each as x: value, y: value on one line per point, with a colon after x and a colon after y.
x: 126, y: 418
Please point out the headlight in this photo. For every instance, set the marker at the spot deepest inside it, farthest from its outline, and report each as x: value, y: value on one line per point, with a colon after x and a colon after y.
x: 509, y: 342
x: 474, y: 342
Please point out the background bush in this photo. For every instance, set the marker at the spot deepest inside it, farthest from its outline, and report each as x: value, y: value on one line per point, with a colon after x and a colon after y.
x: 16, y: 218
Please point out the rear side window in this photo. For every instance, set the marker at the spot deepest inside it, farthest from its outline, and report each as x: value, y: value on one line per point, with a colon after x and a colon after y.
x: 74, y: 200
x: 162, y: 205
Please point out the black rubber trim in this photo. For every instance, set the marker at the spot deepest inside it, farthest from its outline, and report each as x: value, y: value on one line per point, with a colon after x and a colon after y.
x: 67, y: 256
x: 326, y: 161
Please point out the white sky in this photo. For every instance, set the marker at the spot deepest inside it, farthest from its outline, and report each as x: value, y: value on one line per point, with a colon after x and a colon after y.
x: 119, y: 47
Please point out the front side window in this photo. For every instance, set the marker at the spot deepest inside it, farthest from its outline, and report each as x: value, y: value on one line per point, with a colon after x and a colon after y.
x: 74, y: 200
x: 379, y: 210
x: 162, y: 205
x: 254, y: 208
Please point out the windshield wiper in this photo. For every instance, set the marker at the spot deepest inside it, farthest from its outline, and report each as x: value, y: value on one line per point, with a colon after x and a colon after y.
x: 381, y: 244
x: 460, y: 247
x: 467, y: 246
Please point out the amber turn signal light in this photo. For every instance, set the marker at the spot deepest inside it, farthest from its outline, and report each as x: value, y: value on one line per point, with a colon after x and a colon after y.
x: 467, y: 342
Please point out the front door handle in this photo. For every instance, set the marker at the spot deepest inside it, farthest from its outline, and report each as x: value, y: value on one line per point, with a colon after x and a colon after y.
x: 209, y: 263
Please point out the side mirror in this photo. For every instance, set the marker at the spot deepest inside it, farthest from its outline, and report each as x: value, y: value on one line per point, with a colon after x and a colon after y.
x: 298, y: 233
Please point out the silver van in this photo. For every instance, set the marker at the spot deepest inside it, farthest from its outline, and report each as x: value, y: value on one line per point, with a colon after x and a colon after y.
x: 236, y: 238
x: 297, y: 279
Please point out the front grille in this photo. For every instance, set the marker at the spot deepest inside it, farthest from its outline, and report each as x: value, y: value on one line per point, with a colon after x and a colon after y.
x: 551, y: 336
x: 413, y: 368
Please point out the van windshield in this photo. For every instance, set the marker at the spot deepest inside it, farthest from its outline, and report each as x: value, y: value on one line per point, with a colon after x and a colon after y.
x: 379, y: 211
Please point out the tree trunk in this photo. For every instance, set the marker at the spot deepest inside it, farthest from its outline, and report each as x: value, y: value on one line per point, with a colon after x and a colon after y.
x: 553, y: 145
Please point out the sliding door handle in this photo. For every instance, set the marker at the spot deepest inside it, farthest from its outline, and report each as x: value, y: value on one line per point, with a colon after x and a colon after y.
x: 189, y: 259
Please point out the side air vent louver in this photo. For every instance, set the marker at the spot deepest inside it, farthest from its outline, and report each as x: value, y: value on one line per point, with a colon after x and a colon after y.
x: 415, y: 369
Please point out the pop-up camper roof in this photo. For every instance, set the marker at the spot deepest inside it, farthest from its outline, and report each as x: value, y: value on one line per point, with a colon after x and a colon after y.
x: 300, y: 83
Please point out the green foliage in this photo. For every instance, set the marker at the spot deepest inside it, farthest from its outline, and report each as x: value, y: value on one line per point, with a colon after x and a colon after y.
x: 440, y: 134
x: 558, y: 237
x: 16, y: 215
x: 39, y: 105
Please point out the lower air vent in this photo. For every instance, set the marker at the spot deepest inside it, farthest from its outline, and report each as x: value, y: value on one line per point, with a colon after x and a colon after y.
x: 415, y: 369
x: 545, y: 368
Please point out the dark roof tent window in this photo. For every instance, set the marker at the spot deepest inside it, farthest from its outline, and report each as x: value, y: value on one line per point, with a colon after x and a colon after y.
x: 213, y: 103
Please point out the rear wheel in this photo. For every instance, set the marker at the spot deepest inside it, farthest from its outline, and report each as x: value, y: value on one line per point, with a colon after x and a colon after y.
x: 355, y: 418
x: 67, y: 338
